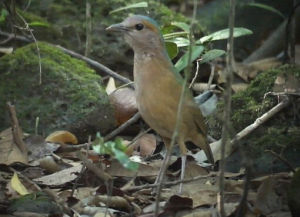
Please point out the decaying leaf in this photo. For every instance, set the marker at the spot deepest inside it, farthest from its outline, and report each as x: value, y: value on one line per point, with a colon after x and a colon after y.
x: 146, y: 144
x: 17, y: 185
x: 9, y: 151
x: 62, y: 137
x: 124, y: 103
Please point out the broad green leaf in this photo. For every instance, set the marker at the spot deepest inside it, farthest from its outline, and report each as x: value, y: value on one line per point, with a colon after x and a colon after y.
x: 224, y: 34
x: 185, y: 27
x: 179, y: 41
x: 267, y: 7
x: 38, y: 24
x: 174, y: 35
x: 212, y: 54
x: 183, y: 61
x: 124, y: 160
x: 136, y: 5
x: 120, y: 145
x: 3, y: 15
x: 172, y: 49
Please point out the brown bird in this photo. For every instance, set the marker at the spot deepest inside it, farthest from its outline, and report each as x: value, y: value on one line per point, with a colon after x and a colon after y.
x: 158, y: 87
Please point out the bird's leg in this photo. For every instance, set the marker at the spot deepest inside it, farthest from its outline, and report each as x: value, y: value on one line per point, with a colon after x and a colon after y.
x: 163, y: 168
x: 183, y: 163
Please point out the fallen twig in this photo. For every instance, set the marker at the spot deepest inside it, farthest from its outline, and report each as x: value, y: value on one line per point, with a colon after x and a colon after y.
x: 259, y: 121
x: 249, y: 129
x: 140, y: 187
x: 14, y: 36
x: 97, y: 170
x: 16, y: 130
x: 282, y: 159
x: 96, y: 64
x: 132, y: 120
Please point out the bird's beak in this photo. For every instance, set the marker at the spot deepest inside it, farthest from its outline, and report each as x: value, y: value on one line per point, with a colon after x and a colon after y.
x: 119, y: 27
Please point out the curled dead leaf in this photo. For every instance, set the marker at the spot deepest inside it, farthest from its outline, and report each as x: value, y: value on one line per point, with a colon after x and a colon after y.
x: 124, y: 103
x: 62, y: 137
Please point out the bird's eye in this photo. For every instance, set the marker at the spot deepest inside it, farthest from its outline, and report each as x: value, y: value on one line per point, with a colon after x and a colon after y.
x: 139, y: 26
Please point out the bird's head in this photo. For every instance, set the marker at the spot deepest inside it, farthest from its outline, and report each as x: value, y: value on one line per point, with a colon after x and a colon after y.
x: 141, y: 33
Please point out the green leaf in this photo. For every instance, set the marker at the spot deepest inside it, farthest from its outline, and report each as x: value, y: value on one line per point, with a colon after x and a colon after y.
x: 3, y: 15
x: 116, y: 149
x: 179, y: 41
x: 38, y: 24
x: 212, y: 54
x: 267, y: 7
x: 124, y: 160
x: 172, y: 49
x: 183, y: 61
x: 224, y: 34
x: 174, y: 35
x: 120, y: 145
x: 185, y: 27
x: 136, y: 5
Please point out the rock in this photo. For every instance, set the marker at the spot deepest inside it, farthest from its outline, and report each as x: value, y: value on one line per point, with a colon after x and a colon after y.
x: 70, y: 97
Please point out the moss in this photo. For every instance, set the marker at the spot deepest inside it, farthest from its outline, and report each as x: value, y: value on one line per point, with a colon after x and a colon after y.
x: 70, y: 90
x: 281, y: 133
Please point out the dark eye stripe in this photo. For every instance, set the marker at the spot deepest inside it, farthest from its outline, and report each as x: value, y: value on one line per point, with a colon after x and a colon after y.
x: 139, y: 26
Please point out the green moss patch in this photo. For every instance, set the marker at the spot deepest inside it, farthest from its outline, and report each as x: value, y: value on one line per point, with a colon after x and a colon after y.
x: 70, y: 90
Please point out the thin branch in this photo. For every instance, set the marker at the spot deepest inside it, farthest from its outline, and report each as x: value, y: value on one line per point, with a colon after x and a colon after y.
x: 178, y: 116
x: 259, y: 121
x: 140, y: 187
x: 16, y: 130
x: 88, y: 41
x: 227, y: 107
x: 282, y: 159
x: 196, y: 74
x: 96, y: 64
x: 13, y: 36
x: 27, y: 28
x: 123, y: 126
x: 97, y: 170
x: 211, y: 76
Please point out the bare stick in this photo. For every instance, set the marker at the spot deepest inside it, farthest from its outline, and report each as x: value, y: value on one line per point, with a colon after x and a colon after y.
x: 259, y: 121
x: 79, y: 56
x: 27, y: 28
x: 88, y: 33
x: 97, y: 170
x: 227, y: 107
x: 196, y: 74
x: 178, y: 115
x: 282, y: 159
x: 13, y: 36
x: 16, y: 130
x: 123, y: 126
x: 136, y: 188
x: 211, y: 76
x: 138, y: 136
x: 96, y: 64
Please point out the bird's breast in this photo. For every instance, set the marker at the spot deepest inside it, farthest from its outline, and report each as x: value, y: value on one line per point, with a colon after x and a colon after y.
x: 157, y: 96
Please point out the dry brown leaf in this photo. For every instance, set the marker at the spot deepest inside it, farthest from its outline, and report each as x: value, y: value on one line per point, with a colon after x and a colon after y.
x: 124, y: 103
x: 62, y: 137
x: 9, y: 152
x: 192, y: 169
x: 116, y: 169
x: 61, y: 177
x: 267, y: 200
x: 146, y: 144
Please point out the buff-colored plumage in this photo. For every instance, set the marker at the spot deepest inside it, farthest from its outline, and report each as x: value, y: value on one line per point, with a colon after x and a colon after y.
x: 158, y: 86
